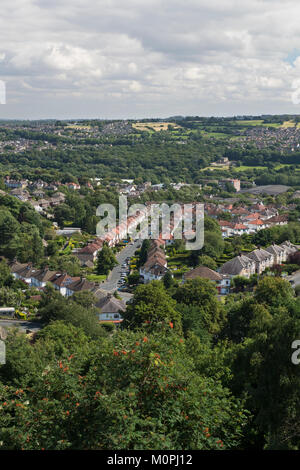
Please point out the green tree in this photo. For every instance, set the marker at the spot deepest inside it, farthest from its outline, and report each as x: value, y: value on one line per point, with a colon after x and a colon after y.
x: 168, y: 280
x: 151, y: 305
x: 202, y: 294
x: 274, y: 291
x: 131, y: 391
x: 106, y: 260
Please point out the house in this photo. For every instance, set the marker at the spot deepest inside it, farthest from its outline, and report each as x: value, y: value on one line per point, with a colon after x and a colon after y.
x: 289, y: 247
x: 36, y: 206
x: 239, y: 266
x: 51, y: 187
x: 235, y: 182
x: 156, y: 265
x: 39, y: 194
x: 277, y: 220
x: 44, y: 203
x: 231, y: 228
x: 98, y: 292
x: 279, y: 252
x: 13, y: 184
x: 153, y: 272
x: 73, y: 186
x: 255, y: 224
x: 89, y: 252
x: 21, y: 194
x: 263, y: 259
x: 110, y: 309
x: 221, y: 280
x: 62, y: 281
x: 23, y: 272
x: 57, y: 199
x: 40, y: 277
x: 79, y: 285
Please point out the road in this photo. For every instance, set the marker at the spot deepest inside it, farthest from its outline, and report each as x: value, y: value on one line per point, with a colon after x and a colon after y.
x: 110, y: 284
x: 22, y: 325
x: 295, y: 277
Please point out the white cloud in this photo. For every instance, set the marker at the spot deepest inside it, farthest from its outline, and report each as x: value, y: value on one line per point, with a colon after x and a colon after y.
x: 151, y: 57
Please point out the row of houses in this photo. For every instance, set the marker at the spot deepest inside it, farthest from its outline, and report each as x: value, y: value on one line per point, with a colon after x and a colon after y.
x: 245, y: 220
x: 250, y: 224
x: 258, y: 261
x: 63, y: 282
x: 37, y: 185
x: 109, y: 308
x: 88, y: 254
x: 38, y: 198
x: 156, y: 265
x: 255, y: 262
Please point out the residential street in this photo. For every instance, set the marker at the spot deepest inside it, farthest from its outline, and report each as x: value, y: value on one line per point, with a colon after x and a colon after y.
x: 110, y: 284
x: 294, y: 278
x: 22, y: 325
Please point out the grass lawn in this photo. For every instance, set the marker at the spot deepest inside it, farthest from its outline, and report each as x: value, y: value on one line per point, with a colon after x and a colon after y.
x: 288, y: 124
x: 246, y: 168
x: 217, y: 135
x: 257, y: 122
x: 96, y: 277
x: 282, y: 165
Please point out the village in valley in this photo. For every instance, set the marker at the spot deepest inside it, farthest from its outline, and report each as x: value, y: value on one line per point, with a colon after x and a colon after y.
x: 209, y: 282
x: 150, y: 229
x: 237, y: 207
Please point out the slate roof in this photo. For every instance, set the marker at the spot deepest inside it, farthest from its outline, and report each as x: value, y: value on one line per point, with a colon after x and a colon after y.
x: 44, y: 275
x: 110, y: 304
x: 259, y: 255
x: 205, y: 272
x: 81, y: 285
x: 236, y: 265
x: 275, y: 249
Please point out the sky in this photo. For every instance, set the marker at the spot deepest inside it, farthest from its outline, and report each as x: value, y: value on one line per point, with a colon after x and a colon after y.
x: 113, y: 59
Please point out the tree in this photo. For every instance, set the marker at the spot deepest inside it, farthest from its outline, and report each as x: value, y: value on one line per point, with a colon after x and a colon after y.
x: 37, y: 248
x: 243, y: 316
x: 274, y: 291
x: 6, y: 279
x: 262, y: 368
x: 60, y: 308
x: 106, y: 260
x: 168, y: 280
x: 8, y: 227
x: 63, y: 213
x: 151, y: 305
x: 207, y: 261
x: 202, y: 294
x: 134, y: 278
x: 240, y: 283
x: 130, y: 391
x: 213, y: 244
x: 144, y: 252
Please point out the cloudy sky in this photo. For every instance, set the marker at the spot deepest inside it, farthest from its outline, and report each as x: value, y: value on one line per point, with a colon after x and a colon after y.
x: 149, y: 58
